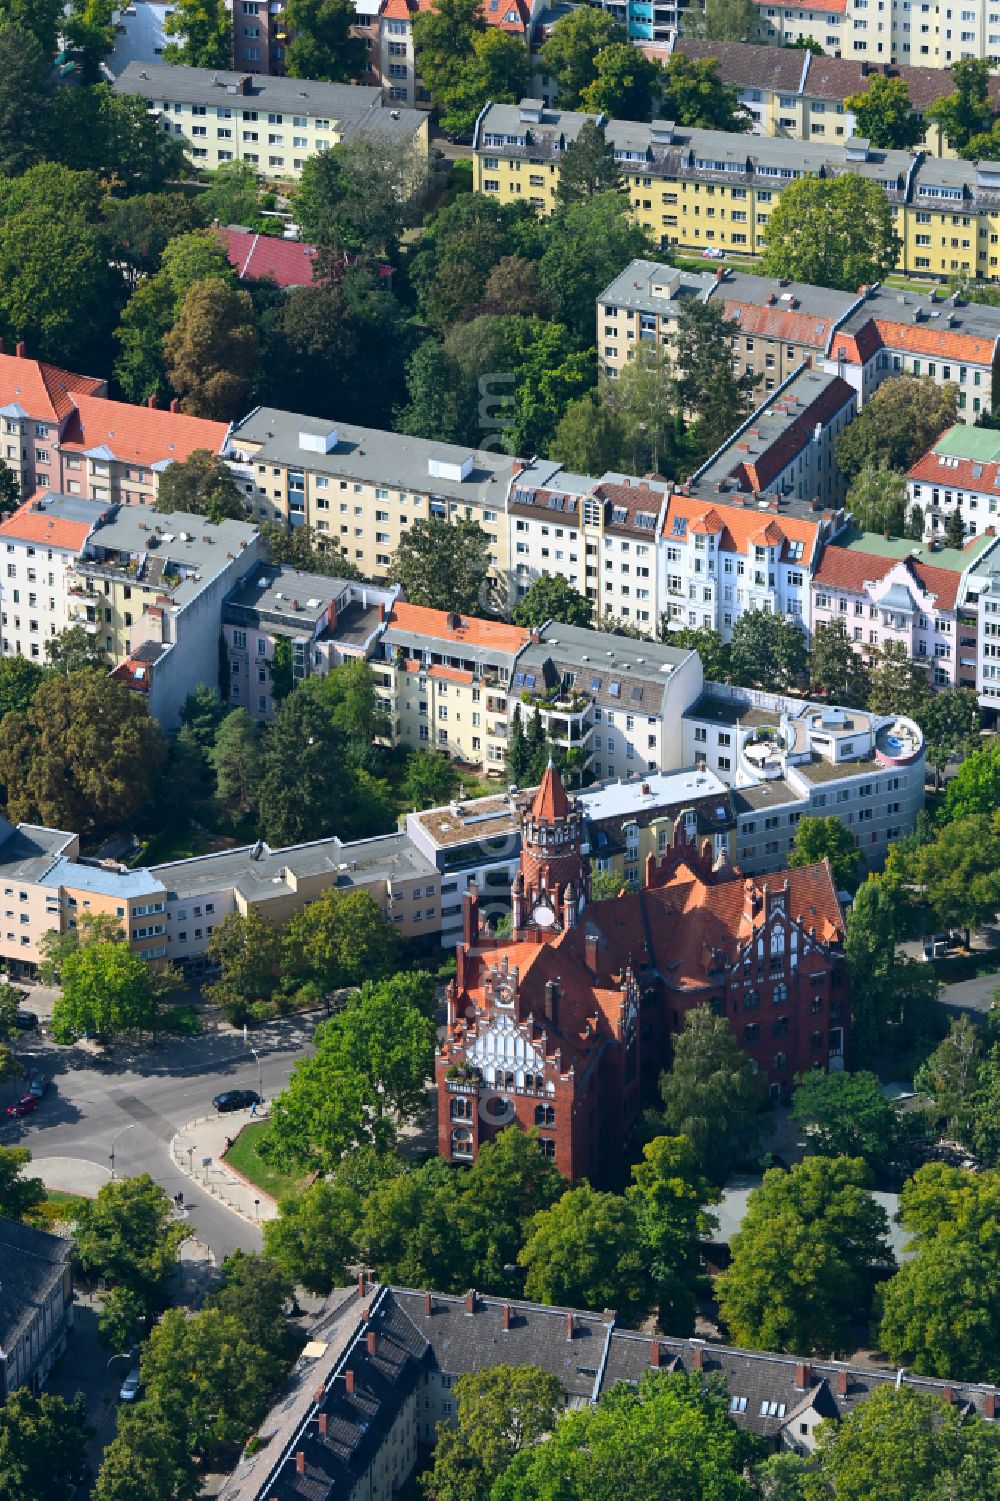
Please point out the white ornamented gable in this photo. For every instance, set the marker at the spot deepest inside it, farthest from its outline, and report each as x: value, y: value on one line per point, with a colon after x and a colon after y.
x: 503, y: 1044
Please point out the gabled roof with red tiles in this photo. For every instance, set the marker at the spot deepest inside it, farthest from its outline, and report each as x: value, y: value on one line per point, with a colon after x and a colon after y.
x: 28, y: 524
x: 508, y: 15
x: 948, y: 343
x: 288, y: 263
x: 852, y: 572
x: 550, y: 803
x: 44, y: 391
x: 765, y: 469
x: 776, y: 322
x: 967, y: 474
x: 139, y: 435
x: 860, y: 347
x: 470, y: 630
x: 740, y: 527
x: 442, y: 674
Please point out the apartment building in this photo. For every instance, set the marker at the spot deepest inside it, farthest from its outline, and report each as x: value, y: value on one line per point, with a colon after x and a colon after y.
x: 863, y: 337
x: 36, y: 1312
x: 918, y: 595
x: 381, y: 1363
x: 115, y: 452
x: 959, y: 473
x: 598, y: 534
x: 36, y: 406
x: 360, y: 488
x: 325, y: 621
x: 42, y: 543
x: 929, y: 33
x: 709, y: 191
x: 444, y: 681
x: 150, y: 587
x: 275, y: 124
x: 260, y: 35
x: 613, y: 704
x: 786, y: 759
x: 803, y: 96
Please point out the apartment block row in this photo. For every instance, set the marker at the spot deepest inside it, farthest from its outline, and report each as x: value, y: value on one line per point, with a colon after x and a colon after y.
x: 927, y: 33
x: 275, y: 124
x: 864, y: 337
x: 377, y: 1375
x: 709, y: 190
x: 803, y: 96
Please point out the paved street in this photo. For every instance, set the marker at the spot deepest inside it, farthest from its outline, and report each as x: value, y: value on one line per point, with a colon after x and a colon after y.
x: 138, y: 1103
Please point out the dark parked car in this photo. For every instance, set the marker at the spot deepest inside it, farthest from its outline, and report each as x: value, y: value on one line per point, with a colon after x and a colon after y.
x: 24, y: 1106
x: 236, y: 1099
x: 37, y: 1085
x: 26, y: 1020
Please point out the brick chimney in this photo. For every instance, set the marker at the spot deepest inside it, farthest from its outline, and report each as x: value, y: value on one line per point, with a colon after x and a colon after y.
x: 428, y: 1304
x: 505, y: 1317
x: 470, y: 913
x: 590, y: 951
x: 175, y: 405
x: 300, y: 1462
x: 570, y: 1326
x: 324, y: 1424
x: 21, y: 350
x: 655, y: 1353
x: 949, y: 1395
x: 349, y: 1382
x: 361, y: 1284
x: 803, y: 1376
x: 841, y: 1383
x: 371, y: 1342
x: 152, y: 403
x: 552, y: 1002
x: 698, y: 1358
x: 470, y: 1300
x: 990, y: 1405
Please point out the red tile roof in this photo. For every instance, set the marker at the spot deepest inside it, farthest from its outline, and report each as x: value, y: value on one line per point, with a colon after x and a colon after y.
x: 551, y: 802
x: 853, y: 572
x: 139, y: 435
x: 508, y: 15
x: 287, y: 263
x: 949, y: 343
x: 44, y: 391
x: 470, y: 630
x: 741, y: 527
x: 966, y: 474
x: 31, y: 525
x: 777, y: 322
x: 797, y: 434
x: 443, y: 674
x: 858, y: 348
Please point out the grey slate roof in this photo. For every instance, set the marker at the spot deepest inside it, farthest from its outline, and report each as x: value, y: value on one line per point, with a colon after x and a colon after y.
x: 32, y: 1263
x: 600, y: 661
x: 258, y: 871
x: 27, y: 852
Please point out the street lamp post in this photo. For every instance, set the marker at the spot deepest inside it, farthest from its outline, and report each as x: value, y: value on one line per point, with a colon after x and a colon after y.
x: 260, y: 1077
x: 114, y: 1142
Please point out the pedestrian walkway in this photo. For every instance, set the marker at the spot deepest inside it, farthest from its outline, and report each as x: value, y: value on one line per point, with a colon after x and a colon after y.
x: 198, y: 1149
x: 72, y: 1175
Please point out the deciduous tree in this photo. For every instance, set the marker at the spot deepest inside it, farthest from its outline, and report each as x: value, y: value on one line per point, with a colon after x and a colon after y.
x: 819, y: 839
x: 803, y: 1259
x: 847, y: 1115
x: 669, y: 1198
x: 694, y: 94
x: 950, y: 721
x: 210, y: 354
x: 321, y: 41
x: 711, y: 394
x: 550, y: 597
x: 201, y: 33
x: 128, y: 1236
x: 341, y: 939
x: 832, y: 231
x: 18, y: 1194
x: 584, y: 1252
x: 501, y: 1411
x: 587, y: 166
x: 570, y: 54
x: 203, y: 485
x: 896, y: 683
x: 625, y: 83
x: 728, y: 21
x: 901, y: 421
x: 115, y: 136
x: 368, y: 1074
x: 19, y: 681
x: 43, y: 1446
x: 443, y: 566
x: 145, y: 1458
x: 877, y: 499
x: 835, y: 668
x: 357, y: 196
x: 238, y: 762
x: 306, y: 788
x: 884, y: 115
x: 590, y: 437
x: 431, y: 779
x: 247, y: 949
x: 106, y: 989
x: 966, y: 111
x: 588, y: 241
x: 314, y: 1235
x: 768, y: 651
x: 711, y: 1095
x: 959, y: 871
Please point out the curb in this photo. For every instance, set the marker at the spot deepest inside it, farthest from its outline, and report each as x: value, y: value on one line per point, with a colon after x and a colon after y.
x: 210, y: 1188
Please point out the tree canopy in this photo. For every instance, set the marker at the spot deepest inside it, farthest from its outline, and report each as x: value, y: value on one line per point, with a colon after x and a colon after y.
x: 900, y: 422
x: 711, y: 1095
x: 832, y: 231
x: 884, y: 115
x: 444, y: 565
x: 203, y: 485
x: 819, y: 839
x: 550, y: 597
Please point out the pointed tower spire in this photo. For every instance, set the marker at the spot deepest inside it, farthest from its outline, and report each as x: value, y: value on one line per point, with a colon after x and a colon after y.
x: 551, y: 802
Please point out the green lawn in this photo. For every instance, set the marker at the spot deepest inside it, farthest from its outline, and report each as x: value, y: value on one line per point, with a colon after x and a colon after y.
x: 245, y: 1158
x: 56, y: 1208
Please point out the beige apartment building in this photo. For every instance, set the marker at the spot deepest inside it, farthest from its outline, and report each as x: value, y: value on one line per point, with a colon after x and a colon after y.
x: 444, y: 680
x: 275, y: 124
x: 360, y: 488
x: 928, y: 33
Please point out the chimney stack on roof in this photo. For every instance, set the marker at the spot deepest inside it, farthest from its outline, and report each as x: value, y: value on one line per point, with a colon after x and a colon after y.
x: 371, y: 1342
x: 152, y: 403
x: 803, y: 1375
x: 842, y: 1383
x: 470, y: 1300
x: 21, y: 350
x: 349, y: 1382
x: 698, y: 1358
x: 300, y: 1462
x: 655, y: 1353
x: 570, y: 1326
x: 324, y: 1424
x: 505, y: 1317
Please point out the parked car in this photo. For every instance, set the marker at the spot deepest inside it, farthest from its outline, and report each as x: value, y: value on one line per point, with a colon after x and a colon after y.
x: 24, y: 1106
x: 130, y: 1386
x: 26, y: 1020
x: 236, y: 1099
x: 37, y: 1085
x: 935, y: 947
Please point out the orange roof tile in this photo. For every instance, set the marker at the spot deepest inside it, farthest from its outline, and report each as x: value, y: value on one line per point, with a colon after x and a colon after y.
x: 471, y: 630
x: 551, y: 802
x: 741, y: 527
x: 30, y: 525
x: 443, y: 674
x: 140, y: 435
x: 777, y: 322
x: 949, y: 343
x: 969, y: 474
x: 852, y: 572
x: 44, y: 391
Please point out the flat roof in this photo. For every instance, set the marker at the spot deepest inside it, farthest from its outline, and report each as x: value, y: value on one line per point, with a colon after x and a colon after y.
x: 177, y: 537
x: 633, y: 287
x: 891, y: 305
x: 29, y: 851
x: 642, y: 794
x: 103, y: 880
x: 344, y: 104
x: 602, y: 651
x: 281, y: 590
x: 765, y: 795
x: 954, y: 559
x: 819, y: 770
x: 718, y: 709
x: 368, y: 454
x: 481, y: 818
x: 258, y: 871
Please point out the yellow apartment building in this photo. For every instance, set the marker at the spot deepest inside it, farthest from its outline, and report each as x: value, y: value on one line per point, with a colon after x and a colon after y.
x: 444, y: 682
x: 713, y: 192
x: 360, y: 488
x: 275, y: 124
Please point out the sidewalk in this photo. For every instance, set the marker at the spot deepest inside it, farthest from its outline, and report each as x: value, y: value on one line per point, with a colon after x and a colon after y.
x: 198, y: 1149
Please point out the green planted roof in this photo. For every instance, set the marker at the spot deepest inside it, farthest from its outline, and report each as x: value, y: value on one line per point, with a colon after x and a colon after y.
x: 961, y: 442
x: 956, y: 560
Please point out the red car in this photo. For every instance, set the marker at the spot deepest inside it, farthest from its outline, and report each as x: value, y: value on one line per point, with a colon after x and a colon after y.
x: 24, y: 1106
